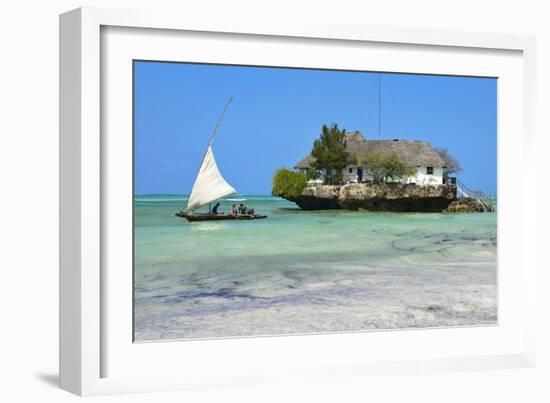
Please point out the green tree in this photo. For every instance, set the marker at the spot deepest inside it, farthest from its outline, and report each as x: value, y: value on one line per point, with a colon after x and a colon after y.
x: 312, y: 173
x: 373, y: 165
x: 384, y: 168
x: 330, y: 154
x: 394, y: 168
x: 288, y: 184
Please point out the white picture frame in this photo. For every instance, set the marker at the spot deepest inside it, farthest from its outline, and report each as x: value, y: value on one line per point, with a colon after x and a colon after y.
x: 96, y: 355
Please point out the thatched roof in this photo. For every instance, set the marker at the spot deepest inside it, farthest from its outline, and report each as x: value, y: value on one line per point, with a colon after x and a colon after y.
x: 411, y: 152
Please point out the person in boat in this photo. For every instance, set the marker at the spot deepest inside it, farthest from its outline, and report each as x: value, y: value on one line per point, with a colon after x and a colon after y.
x: 242, y: 209
x: 234, y: 210
x: 250, y: 211
x: 215, y: 208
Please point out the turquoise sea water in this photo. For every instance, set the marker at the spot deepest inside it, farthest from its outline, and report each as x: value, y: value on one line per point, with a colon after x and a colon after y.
x: 308, y: 271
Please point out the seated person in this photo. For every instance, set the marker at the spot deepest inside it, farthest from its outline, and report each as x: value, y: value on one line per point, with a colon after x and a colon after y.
x: 215, y: 208
x: 250, y: 211
x: 242, y: 209
x: 234, y: 210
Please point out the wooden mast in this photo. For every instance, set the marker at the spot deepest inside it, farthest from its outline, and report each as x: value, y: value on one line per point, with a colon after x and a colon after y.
x: 379, y: 105
x: 218, y: 123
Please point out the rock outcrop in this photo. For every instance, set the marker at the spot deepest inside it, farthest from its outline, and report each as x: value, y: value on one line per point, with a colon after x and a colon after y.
x: 467, y: 205
x: 377, y: 197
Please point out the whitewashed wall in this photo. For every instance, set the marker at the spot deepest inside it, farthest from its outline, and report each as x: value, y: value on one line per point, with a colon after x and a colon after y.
x: 422, y: 178
x: 352, y: 176
x: 349, y: 174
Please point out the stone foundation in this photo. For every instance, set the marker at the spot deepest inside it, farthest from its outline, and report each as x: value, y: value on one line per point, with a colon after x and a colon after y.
x: 377, y: 197
x: 467, y: 205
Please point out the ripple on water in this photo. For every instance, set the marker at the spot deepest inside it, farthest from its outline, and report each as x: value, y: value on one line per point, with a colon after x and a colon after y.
x: 301, y: 272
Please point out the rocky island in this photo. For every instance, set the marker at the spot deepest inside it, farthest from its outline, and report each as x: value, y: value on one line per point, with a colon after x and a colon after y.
x: 375, y: 197
x: 346, y: 171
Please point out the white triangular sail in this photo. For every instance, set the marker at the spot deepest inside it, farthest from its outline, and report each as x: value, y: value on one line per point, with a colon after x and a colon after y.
x: 209, y: 184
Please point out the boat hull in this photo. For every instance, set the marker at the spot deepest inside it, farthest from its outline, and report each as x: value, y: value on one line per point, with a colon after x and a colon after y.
x: 218, y: 217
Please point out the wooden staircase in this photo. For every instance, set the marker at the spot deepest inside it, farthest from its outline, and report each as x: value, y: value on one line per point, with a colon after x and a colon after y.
x: 478, y: 195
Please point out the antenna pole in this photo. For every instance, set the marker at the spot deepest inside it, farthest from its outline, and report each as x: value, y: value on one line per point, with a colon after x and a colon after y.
x: 379, y: 105
x: 219, y: 121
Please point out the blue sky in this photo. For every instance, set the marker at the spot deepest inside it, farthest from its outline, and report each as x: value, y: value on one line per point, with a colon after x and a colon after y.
x: 277, y: 114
